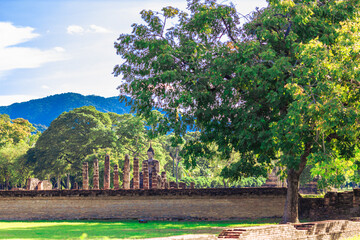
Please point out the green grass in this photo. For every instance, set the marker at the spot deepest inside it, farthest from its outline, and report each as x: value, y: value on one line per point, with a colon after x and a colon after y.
x: 114, y: 229
x: 353, y: 238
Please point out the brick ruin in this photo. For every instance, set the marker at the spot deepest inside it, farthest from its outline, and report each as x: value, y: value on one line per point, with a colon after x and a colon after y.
x: 148, y: 178
x: 96, y: 175
x: 107, y: 172
x: 36, y: 184
x: 274, y: 180
x: 335, y: 229
x: 116, y: 177
x: 85, y: 175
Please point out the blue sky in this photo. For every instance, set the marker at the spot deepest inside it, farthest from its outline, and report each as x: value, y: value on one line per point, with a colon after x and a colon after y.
x: 55, y: 46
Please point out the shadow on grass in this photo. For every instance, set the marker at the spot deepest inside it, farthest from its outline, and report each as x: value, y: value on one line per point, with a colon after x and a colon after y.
x: 113, y: 230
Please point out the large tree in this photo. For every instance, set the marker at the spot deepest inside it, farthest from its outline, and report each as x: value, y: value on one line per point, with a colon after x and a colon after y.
x: 12, y: 131
x: 283, y: 87
x: 15, y: 139
x: 72, y: 136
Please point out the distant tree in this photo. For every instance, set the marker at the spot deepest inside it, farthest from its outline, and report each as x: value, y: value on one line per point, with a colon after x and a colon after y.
x: 15, y: 139
x: 174, y: 150
x: 13, y: 168
x: 130, y: 132
x: 13, y: 131
x: 72, y: 136
x: 284, y: 87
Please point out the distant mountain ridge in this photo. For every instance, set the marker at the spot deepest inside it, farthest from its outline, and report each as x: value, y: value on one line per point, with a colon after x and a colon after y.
x: 44, y: 110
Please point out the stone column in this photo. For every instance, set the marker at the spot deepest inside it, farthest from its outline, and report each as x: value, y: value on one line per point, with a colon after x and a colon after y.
x: 145, y: 171
x: 182, y: 185
x: 163, y: 180
x: 154, y: 180
x: 107, y: 172
x: 356, y: 200
x: 136, y: 173
x: 126, y: 173
x: 173, y: 185
x: 85, y: 176
x: 116, y: 177
x: 96, y: 174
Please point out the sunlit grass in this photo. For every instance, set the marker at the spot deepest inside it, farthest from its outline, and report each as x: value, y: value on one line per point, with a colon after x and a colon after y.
x: 115, y: 229
x: 353, y: 238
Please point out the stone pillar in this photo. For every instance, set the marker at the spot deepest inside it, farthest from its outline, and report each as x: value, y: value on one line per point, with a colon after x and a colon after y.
x: 136, y: 173
x: 85, y: 176
x: 356, y: 200
x: 173, y: 185
x: 182, y: 185
x: 107, y: 172
x: 154, y: 179
x: 145, y: 171
x: 163, y: 180
x: 126, y: 173
x: 116, y: 177
x: 96, y: 174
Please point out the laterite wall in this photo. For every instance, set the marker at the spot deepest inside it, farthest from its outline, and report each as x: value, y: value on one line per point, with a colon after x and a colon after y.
x: 172, y: 204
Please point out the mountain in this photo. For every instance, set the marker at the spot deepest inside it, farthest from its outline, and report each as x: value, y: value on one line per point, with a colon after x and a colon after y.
x: 41, y: 112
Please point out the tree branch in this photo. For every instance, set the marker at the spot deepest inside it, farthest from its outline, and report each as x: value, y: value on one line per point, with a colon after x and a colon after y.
x: 229, y: 31
x: 303, y: 158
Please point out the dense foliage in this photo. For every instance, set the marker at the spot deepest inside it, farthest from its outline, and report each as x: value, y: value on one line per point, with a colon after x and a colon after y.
x: 15, y: 139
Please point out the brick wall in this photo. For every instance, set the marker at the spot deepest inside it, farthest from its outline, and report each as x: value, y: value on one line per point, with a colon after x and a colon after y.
x: 336, y: 229
x: 184, y: 204
x: 334, y: 205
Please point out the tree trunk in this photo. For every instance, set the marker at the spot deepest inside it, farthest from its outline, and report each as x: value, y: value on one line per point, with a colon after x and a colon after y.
x: 177, y: 169
x: 291, y: 213
x: 58, y: 183
x: 7, y: 177
x: 173, y: 167
x: 292, y: 198
x: 7, y: 184
x: 68, y: 181
x: 225, y: 183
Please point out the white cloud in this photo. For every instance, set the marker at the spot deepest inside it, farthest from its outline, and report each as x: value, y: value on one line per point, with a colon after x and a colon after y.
x: 11, y: 35
x: 98, y: 29
x: 59, y: 49
x: 45, y: 87
x: 13, y: 57
x: 75, y: 29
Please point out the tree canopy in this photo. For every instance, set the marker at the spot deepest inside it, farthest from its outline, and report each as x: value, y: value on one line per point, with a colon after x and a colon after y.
x: 15, y: 139
x: 70, y: 138
x: 282, y: 88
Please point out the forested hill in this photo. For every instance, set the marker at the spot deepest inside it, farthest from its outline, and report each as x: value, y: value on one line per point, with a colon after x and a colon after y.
x: 44, y: 110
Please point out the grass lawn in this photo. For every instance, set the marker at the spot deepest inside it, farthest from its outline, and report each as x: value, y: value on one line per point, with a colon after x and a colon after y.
x: 114, y: 229
x: 353, y: 238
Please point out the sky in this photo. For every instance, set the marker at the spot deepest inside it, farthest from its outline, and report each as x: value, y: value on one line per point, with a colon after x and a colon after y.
x: 49, y: 47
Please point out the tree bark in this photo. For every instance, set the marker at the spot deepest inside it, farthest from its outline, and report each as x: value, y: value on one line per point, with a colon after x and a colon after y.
x: 58, y: 183
x: 291, y: 213
x: 292, y: 198
x: 68, y: 181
